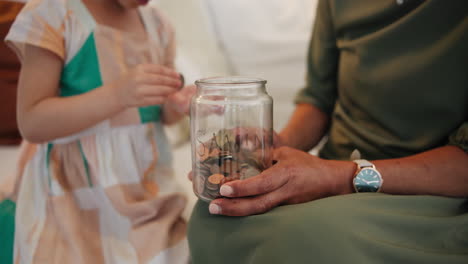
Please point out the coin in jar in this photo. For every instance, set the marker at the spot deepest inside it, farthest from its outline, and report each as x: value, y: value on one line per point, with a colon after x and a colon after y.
x: 215, y: 178
x: 202, y: 153
x: 229, y: 167
x: 213, y: 182
x: 214, y: 169
x: 249, y: 172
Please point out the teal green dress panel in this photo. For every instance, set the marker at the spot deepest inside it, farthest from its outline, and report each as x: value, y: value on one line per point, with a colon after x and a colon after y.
x: 82, y: 74
x: 150, y: 113
x: 7, y: 230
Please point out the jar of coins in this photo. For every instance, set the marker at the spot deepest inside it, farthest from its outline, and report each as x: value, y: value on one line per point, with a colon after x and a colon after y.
x: 231, y: 132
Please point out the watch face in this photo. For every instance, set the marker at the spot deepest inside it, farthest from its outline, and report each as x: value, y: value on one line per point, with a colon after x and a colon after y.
x: 368, y: 180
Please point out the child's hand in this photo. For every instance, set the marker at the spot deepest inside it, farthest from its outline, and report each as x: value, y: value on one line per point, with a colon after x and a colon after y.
x: 146, y: 84
x: 180, y: 101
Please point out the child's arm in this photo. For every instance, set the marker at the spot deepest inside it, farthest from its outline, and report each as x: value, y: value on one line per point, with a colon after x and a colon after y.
x: 43, y: 116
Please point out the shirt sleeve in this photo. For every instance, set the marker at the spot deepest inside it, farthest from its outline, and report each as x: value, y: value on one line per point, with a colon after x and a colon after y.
x: 322, y: 65
x: 459, y: 137
x: 41, y: 23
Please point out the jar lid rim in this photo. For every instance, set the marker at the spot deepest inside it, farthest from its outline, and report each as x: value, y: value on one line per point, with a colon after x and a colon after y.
x: 230, y: 80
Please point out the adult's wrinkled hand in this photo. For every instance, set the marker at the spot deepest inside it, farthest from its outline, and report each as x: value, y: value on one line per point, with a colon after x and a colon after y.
x: 297, y: 177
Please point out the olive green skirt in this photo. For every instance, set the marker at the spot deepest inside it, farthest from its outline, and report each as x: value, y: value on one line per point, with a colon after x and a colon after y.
x: 355, y: 228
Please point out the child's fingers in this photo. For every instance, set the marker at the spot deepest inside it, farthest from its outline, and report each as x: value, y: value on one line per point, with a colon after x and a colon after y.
x: 159, y: 69
x: 180, y: 100
x: 189, y: 90
x: 185, y: 94
x: 157, y: 79
x: 190, y: 175
x: 179, y: 103
x: 156, y: 90
x: 153, y: 100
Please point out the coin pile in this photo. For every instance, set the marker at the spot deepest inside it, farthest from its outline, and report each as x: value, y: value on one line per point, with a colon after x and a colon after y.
x: 223, y: 158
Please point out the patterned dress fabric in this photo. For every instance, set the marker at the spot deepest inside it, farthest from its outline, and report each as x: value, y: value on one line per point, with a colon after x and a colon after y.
x: 106, y: 194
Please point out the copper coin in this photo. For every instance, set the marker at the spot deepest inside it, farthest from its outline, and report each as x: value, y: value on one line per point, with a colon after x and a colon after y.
x: 215, y: 178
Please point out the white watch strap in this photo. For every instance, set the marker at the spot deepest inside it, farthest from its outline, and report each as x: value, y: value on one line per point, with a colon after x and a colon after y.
x: 362, y: 163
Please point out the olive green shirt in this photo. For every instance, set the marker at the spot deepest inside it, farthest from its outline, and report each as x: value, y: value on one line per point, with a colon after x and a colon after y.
x: 394, y: 80
x: 393, y: 77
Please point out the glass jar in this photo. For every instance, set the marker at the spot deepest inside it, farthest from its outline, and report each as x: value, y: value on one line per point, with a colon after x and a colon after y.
x: 231, y: 132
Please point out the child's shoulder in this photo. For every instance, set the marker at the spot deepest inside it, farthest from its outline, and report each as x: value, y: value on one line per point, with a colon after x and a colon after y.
x: 48, y: 24
x: 52, y: 7
x: 54, y: 12
x: 42, y: 12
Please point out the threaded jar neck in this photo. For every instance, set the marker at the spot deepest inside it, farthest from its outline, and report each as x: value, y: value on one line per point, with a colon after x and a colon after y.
x: 234, y: 85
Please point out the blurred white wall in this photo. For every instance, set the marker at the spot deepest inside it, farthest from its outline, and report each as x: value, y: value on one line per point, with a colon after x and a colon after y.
x: 261, y: 38
x: 198, y: 52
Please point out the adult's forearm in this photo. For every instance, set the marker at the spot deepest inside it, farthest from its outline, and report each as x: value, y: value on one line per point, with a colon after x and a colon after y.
x: 442, y: 171
x: 56, y: 117
x: 305, y: 128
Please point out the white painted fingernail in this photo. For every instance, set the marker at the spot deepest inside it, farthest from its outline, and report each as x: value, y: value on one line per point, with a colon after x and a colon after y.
x: 226, y: 190
x: 214, y: 209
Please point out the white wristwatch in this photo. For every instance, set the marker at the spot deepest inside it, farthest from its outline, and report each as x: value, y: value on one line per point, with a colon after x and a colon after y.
x: 367, y: 177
